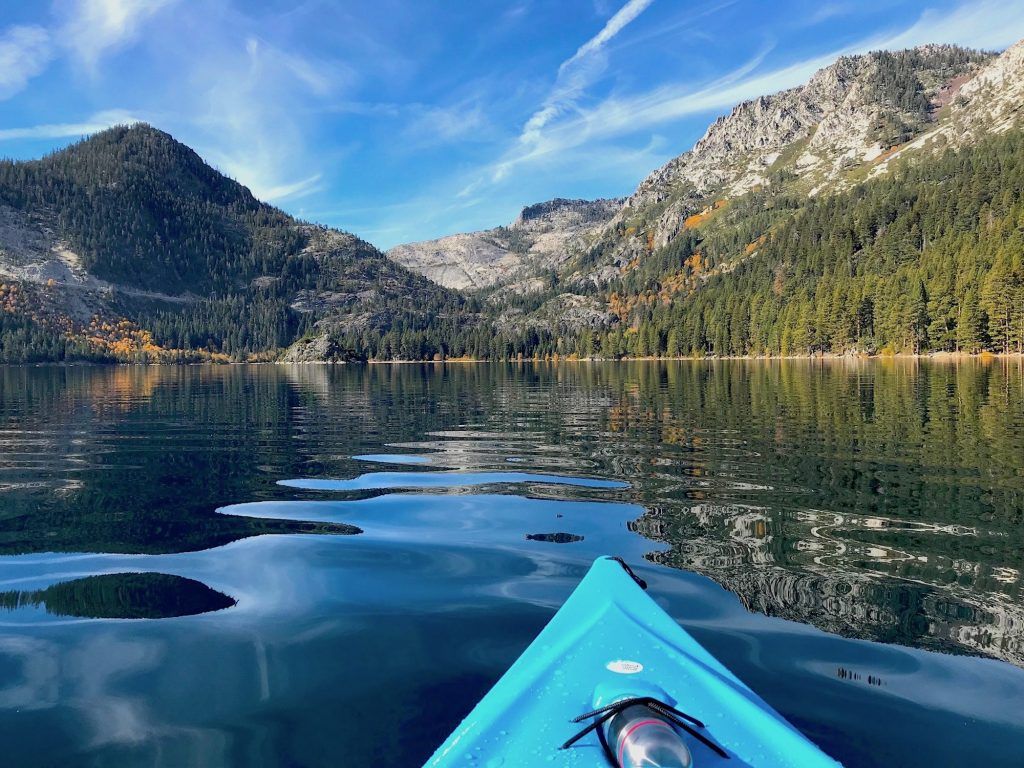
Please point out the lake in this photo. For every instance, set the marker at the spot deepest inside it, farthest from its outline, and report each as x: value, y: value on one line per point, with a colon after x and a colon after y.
x: 328, y: 565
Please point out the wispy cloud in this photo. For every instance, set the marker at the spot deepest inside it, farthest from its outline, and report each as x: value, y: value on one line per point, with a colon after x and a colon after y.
x: 616, y: 24
x: 515, y: 12
x: 687, y: 22
x: 989, y: 24
x: 317, y: 78
x: 617, y: 115
x: 827, y: 11
x: 291, y: 190
x: 98, y: 122
x: 441, y: 209
x: 431, y: 125
x: 245, y: 104
x: 237, y: 97
x: 579, y: 71
x: 94, y: 28
x: 25, y: 51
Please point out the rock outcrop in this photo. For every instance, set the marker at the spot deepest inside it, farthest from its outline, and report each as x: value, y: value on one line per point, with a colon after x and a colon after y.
x: 541, y: 239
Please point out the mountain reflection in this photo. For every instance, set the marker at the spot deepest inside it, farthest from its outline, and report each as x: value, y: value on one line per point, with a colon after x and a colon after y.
x: 134, y: 459
x: 876, y: 499
x: 122, y: 596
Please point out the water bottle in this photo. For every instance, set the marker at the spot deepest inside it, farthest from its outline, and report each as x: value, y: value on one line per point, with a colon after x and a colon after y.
x: 640, y: 739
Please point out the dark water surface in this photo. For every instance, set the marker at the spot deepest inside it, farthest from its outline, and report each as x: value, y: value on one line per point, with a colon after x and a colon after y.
x: 327, y: 566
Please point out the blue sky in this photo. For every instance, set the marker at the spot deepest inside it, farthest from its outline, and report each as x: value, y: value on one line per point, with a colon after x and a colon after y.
x: 404, y: 120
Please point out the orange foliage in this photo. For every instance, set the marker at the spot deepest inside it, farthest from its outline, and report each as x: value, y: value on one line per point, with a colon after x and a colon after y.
x: 620, y: 306
x: 117, y: 337
x: 13, y: 299
x: 780, y: 280
x: 888, y: 153
x: 751, y: 247
x: 683, y: 281
x: 122, y: 339
x: 699, y: 218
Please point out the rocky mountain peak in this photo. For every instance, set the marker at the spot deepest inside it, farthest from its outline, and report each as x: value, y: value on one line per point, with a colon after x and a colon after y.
x: 843, y: 112
x: 853, y: 112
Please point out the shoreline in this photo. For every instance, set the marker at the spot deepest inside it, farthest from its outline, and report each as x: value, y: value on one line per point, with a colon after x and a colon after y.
x: 941, y: 357
x: 937, y: 356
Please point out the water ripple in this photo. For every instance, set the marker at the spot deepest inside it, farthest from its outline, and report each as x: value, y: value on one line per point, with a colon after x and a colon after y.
x: 387, y: 480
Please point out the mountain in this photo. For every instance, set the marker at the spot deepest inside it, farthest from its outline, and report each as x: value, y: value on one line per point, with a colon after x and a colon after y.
x: 843, y: 215
x: 540, y: 240
x: 128, y: 246
x: 819, y: 136
x: 874, y: 208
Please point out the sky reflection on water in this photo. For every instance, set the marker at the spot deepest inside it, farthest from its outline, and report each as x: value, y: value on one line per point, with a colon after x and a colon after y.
x: 387, y: 480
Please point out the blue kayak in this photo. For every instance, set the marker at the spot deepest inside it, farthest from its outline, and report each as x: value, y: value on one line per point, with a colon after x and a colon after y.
x: 609, y: 653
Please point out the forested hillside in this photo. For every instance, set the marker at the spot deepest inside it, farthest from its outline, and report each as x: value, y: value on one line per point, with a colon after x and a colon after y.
x: 928, y: 258
x: 128, y: 246
x: 144, y: 210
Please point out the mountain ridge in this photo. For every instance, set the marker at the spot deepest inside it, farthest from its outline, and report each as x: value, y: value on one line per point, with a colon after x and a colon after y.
x: 542, y: 237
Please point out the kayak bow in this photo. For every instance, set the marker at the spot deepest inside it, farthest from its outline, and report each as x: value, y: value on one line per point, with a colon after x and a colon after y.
x: 612, y: 648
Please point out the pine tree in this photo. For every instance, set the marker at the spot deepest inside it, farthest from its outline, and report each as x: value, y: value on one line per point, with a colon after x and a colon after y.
x: 970, y: 325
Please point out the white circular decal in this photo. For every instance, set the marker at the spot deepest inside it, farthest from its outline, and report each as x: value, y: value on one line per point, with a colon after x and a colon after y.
x: 624, y: 667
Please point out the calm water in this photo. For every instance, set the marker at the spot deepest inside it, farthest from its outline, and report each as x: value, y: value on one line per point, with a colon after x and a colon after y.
x: 332, y: 564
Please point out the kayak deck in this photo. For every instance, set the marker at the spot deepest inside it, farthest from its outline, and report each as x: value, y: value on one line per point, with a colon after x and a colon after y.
x: 610, y: 640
